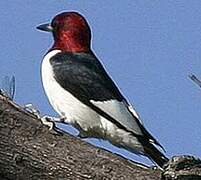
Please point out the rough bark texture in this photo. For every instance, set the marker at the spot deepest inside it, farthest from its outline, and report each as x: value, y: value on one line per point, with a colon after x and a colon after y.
x: 28, y: 150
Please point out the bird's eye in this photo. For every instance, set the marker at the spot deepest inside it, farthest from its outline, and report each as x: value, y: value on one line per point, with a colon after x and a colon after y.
x: 57, y: 25
x: 54, y: 24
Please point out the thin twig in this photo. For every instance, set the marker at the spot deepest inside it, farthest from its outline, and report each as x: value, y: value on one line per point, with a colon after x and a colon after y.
x: 195, y: 79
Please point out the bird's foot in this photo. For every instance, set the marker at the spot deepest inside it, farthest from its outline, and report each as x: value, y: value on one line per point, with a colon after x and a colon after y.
x: 51, y: 123
x: 54, y: 119
x: 46, y: 120
x: 32, y: 109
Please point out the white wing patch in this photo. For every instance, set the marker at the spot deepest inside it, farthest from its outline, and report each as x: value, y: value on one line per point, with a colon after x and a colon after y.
x: 134, y: 112
x: 120, y: 112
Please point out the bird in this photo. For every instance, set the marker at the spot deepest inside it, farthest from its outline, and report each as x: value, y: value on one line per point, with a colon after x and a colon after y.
x: 85, y: 96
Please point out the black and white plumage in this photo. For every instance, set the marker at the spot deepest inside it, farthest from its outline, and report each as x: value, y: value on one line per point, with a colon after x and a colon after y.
x: 81, y: 91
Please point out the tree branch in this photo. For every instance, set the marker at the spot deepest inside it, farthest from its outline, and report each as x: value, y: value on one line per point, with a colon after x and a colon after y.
x: 28, y: 150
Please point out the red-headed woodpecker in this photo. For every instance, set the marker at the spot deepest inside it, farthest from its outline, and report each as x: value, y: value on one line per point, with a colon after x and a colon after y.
x: 82, y: 93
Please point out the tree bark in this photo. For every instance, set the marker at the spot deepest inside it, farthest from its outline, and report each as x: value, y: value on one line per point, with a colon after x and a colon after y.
x: 29, y: 150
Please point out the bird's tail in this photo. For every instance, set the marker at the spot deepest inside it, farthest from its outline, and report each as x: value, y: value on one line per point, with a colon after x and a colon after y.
x: 155, y: 155
x: 142, y: 146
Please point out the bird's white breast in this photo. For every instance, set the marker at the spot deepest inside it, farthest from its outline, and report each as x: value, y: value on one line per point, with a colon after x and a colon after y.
x: 64, y: 102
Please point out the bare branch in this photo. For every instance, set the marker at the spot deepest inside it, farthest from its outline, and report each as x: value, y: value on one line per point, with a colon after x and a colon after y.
x: 28, y: 150
x: 195, y: 79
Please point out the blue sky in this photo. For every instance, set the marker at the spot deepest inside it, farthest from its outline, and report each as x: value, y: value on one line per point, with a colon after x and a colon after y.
x: 148, y: 47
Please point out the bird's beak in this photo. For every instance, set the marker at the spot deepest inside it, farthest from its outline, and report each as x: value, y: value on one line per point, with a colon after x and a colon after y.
x: 45, y: 27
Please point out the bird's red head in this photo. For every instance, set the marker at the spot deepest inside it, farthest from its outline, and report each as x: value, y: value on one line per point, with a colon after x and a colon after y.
x: 71, y: 32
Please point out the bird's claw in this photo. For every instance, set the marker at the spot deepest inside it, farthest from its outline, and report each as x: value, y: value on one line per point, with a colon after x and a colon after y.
x: 46, y: 120
x: 50, y: 122
x: 32, y: 109
x: 54, y: 119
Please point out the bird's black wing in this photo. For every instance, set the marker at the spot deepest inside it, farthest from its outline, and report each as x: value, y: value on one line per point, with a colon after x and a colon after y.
x: 84, y: 77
